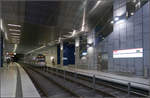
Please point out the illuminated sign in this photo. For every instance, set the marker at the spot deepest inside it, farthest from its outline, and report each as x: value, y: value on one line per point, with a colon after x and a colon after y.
x: 84, y: 53
x: 128, y: 53
x: 65, y: 58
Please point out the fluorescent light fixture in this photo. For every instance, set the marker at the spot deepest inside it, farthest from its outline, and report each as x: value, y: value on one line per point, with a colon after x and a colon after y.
x: 77, y: 44
x: 15, y: 33
x: 61, y: 47
x: 15, y: 36
x: 116, y: 18
x: 134, y: 1
x: 112, y: 22
x: 96, y: 5
x: 84, y: 53
x: 83, y: 28
x: 1, y: 24
x: 2, y: 28
x: 52, y: 58
x: 74, y: 32
x: 65, y: 58
x: 121, y: 21
x: 83, y: 20
x: 14, y: 30
x: 90, y: 40
x: 139, y: 3
x: 14, y: 25
x: 132, y: 13
x: 6, y: 36
x: 15, y: 39
x: 36, y: 49
x: 128, y: 53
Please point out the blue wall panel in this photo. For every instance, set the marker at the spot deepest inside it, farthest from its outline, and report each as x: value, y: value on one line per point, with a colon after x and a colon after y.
x: 68, y: 54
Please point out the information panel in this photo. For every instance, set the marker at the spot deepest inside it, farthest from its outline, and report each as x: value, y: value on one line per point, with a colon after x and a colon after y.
x: 128, y: 53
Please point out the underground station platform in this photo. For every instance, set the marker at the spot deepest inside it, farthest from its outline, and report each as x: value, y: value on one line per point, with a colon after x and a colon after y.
x: 23, y: 81
x: 75, y: 49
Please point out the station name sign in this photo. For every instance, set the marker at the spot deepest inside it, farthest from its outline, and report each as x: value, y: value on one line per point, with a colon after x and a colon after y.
x: 128, y: 53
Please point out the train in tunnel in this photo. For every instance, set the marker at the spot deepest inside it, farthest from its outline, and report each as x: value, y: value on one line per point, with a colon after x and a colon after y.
x: 36, y: 60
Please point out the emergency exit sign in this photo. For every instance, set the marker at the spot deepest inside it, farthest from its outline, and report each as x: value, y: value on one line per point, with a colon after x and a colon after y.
x: 128, y: 53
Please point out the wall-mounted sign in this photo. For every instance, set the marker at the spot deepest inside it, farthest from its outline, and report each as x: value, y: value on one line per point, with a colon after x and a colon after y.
x: 84, y: 53
x: 128, y: 53
x: 65, y: 58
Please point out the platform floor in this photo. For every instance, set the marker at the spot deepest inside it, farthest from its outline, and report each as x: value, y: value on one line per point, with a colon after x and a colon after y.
x: 11, y: 78
x: 135, y: 81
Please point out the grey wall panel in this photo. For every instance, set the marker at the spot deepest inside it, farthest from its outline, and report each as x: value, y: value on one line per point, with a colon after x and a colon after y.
x: 138, y: 44
x: 124, y: 63
x: 116, y: 34
x: 138, y: 13
x: 146, y: 10
x: 146, y: 24
x: 122, y: 38
x: 122, y: 66
x: 116, y: 44
x: 131, y: 65
x: 110, y: 64
x: 135, y: 33
x: 146, y: 41
x: 138, y: 32
x: 139, y: 66
x: 123, y: 45
x: 138, y: 28
x: 110, y: 42
x: 130, y: 42
x: 130, y: 24
x: 110, y: 37
x: 146, y: 58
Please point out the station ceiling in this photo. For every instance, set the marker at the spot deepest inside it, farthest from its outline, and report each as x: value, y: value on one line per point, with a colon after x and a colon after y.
x: 45, y: 21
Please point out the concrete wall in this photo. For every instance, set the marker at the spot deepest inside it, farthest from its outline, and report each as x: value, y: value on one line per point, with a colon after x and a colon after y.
x: 133, y: 32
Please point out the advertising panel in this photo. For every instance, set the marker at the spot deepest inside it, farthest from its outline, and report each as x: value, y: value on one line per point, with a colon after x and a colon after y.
x: 128, y: 53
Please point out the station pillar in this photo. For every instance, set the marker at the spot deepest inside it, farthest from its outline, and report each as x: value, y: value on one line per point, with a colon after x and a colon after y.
x: 61, y: 53
x: 77, y: 51
x: 91, y: 51
x: 1, y: 51
x: 1, y: 40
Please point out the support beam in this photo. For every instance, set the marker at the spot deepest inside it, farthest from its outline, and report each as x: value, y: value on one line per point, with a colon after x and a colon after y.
x: 61, y: 53
x: 77, y: 51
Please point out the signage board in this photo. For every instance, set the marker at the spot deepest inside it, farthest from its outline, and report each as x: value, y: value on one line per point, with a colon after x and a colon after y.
x: 128, y: 53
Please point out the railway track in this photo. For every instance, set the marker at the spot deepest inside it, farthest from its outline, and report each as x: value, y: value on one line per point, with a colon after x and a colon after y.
x: 83, y: 86
x: 77, y: 89
x: 113, y: 89
x: 48, y: 88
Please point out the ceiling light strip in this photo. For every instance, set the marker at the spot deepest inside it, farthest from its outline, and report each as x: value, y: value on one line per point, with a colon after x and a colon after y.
x: 14, y: 25
x: 14, y: 30
x: 15, y: 33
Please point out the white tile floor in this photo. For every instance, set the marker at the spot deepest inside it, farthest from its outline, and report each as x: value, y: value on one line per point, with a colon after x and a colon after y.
x: 8, y: 82
x: 8, y: 78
